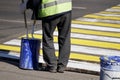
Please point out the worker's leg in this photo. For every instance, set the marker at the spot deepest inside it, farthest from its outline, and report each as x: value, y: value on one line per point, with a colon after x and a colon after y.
x: 48, y: 27
x: 64, y: 28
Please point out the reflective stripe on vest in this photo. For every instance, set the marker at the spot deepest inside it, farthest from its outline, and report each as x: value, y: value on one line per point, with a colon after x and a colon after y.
x: 54, y: 3
x: 55, y: 7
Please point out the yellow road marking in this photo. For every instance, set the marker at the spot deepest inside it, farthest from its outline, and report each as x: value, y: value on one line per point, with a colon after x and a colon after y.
x: 116, y: 7
x: 85, y: 42
x: 96, y: 23
x: 102, y: 17
x: 7, y: 47
x: 107, y: 12
x: 76, y: 56
x: 99, y: 33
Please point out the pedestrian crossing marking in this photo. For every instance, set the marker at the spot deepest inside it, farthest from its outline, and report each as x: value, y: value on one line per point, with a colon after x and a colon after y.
x: 113, y: 10
x: 96, y: 28
x: 76, y: 56
x: 95, y: 32
x: 116, y: 7
x: 96, y: 23
x: 92, y: 36
x: 9, y: 47
x: 110, y: 15
x: 107, y: 12
x: 88, y: 36
x: 74, y: 48
x: 99, y: 20
x: 86, y: 42
x: 102, y: 17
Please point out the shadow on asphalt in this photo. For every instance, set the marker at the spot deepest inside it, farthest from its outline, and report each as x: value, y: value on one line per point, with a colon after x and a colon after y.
x: 11, y: 61
x: 15, y: 62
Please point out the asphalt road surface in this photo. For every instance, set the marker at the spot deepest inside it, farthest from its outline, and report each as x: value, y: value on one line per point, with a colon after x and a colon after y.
x: 12, y: 23
x: 9, y: 70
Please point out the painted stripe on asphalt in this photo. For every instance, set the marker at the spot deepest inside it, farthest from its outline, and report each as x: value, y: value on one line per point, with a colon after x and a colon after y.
x: 113, y: 10
x: 75, y: 48
x: 93, y: 32
x: 8, y: 47
x: 102, y: 17
x: 108, y: 12
x: 96, y: 23
x: 113, y: 15
x: 85, y: 42
x: 85, y: 65
x: 99, y: 20
x: 98, y: 28
x: 72, y: 56
x: 71, y: 63
x: 116, y: 7
x: 85, y: 36
x: 13, y: 42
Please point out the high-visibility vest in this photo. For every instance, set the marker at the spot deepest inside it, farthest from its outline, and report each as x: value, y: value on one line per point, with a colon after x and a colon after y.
x: 53, y: 7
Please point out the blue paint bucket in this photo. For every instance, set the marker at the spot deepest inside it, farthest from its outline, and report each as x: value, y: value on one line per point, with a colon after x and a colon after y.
x: 110, y: 68
x: 29, y: 55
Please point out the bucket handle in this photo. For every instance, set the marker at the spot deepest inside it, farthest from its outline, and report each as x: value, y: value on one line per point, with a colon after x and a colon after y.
x: 34, y: 22
x: 26, y: 26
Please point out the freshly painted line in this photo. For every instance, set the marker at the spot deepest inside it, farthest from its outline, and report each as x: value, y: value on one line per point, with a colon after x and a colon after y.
x: 93, y: 32
x: 71, y: 63
x: 11, y: 48
x: 102, y: 17
x: 99, y: 20
x: 85, y: 65
x: 76, y: 56
x: 14, y: 42
x: 95, y: 23
x: 85, y: 42
x: 98, y: 38
x: 116, y: 7
x: 108, y: 12
x: 85, y: 36
x: 75, y: 48
x: 114, y: 10
x: 113, y: 15
x: 98, y: 28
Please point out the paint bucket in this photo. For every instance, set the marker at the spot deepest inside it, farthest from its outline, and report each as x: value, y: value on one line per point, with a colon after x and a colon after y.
x: 29, y: 55
x: 110, y: 68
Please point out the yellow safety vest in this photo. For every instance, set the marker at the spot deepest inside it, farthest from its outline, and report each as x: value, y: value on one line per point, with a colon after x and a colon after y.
x: 52, y: 7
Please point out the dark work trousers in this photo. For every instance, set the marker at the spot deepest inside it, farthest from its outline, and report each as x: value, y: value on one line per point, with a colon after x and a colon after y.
x: 63, y: 24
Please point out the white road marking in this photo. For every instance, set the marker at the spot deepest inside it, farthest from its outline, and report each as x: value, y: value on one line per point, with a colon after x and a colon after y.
x: 75, y: 48
x: 113, y: 10
x: 95, y: 28
x: 85, y: 36
x: 71, y: 63
x: 99, y: 20
x: 115, y: 15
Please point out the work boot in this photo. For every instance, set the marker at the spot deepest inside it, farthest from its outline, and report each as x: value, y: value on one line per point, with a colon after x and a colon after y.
x: 50, y: 69
x: 60, y: 69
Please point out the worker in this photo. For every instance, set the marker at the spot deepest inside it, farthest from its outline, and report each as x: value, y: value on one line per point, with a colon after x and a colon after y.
x: 54, y: 14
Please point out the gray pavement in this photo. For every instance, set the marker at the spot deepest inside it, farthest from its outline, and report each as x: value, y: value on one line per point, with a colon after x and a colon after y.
x: 9, y: 70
